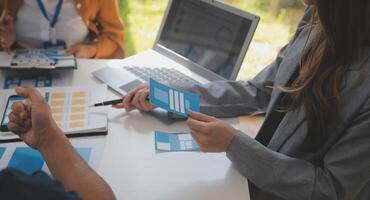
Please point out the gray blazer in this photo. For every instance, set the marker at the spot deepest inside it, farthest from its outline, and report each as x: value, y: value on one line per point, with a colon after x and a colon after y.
x: 277, y: 171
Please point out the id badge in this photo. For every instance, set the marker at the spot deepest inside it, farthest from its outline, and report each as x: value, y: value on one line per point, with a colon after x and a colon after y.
x: 54, y: 43
x: 60, y: 45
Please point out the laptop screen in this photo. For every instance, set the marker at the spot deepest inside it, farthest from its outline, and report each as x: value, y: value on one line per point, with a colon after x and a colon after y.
x: 205, y: 34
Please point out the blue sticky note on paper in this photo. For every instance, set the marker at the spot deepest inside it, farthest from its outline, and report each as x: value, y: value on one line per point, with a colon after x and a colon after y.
x: 26, y: 160
x: 173, y: 142
x: 85, y: 153
x: 173, y: 100
x: 2, y: 151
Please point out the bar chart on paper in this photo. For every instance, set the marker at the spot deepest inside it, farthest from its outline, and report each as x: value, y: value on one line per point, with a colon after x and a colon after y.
x: 172, y: 142
x: 173, y: 100
x: 28, y: 160
x: 69, y: 109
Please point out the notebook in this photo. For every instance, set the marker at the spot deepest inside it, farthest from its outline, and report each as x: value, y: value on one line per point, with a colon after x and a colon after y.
x: 37, y: 59
x: 70, y: 109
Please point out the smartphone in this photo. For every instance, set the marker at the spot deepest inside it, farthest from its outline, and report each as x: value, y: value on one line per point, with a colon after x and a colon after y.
x: 8, y: 109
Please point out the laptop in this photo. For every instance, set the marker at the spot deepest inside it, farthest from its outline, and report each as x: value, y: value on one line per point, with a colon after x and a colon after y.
x: 199, y: 41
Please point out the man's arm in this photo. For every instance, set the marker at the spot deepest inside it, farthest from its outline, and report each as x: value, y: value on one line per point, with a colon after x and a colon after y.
x: 35, y: 126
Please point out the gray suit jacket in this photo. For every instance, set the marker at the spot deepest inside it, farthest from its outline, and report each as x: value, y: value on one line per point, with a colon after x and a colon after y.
x: 278, y: 171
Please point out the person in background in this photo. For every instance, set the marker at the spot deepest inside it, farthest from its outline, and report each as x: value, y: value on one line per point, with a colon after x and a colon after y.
x: 34, y: 124
x: 86, y: 28
x: 315, y: 140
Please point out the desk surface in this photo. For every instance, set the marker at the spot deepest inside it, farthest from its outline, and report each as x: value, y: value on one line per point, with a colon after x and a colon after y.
x: 135, y: 171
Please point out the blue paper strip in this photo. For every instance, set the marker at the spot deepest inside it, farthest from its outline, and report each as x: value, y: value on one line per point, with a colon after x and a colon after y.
x: 2, y: 151
x: 173, y: 100
x: 173, y: 142
x: 26, y: 160
x: 85, y: 153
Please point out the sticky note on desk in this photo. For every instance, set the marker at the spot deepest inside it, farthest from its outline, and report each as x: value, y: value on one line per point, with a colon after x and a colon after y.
x: 173, y: 100
x: 172, y: 142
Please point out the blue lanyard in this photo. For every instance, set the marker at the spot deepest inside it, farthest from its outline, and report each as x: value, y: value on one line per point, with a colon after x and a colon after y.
x: 56, y: 14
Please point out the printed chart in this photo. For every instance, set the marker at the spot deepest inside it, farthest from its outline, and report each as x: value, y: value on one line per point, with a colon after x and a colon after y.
x: 70, y: 109
x: 175, y: 142
x: 21, y: 157
x: 29, y: 81
x: 173, y: 100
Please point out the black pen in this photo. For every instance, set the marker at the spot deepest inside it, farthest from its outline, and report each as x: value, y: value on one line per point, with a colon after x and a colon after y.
x: 112, y: 102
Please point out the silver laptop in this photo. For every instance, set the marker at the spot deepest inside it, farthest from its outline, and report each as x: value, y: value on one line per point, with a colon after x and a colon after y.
x: 199, y: 41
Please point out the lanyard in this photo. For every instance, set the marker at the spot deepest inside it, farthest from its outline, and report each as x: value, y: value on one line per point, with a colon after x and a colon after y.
x: 53, y: 21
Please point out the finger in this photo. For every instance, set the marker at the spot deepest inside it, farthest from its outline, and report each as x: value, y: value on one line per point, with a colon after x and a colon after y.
x: 144, y: 100
x: 18, y: 108
x: 198, y: 137
x: 71, y: 51
x: 30, y: 93
x: 195, y: 125
x: 15, y: 119
x: 201, y: 117
x: 15, y: 128
x: 127, y: 102
x: 119, y: 105
x: 135, y: 99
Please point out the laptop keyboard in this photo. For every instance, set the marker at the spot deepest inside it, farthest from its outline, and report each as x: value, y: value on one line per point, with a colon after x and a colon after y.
x: 160, y: 74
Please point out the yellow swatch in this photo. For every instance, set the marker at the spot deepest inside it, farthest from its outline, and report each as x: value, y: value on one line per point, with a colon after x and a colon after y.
x: 57, y: 95
x: 77, y: 124
x: 57, y: 110
x: 57, y: 103
x: 77, y: 117
x: 78, y: 102
x: 79, y: 94
x: 78, y: 109
x: 58, y: 118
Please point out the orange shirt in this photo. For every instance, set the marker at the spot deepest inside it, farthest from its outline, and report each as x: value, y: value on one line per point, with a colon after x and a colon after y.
x: 102, y: 19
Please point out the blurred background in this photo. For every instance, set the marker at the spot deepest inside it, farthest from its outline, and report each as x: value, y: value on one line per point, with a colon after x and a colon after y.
x: 279, y: 19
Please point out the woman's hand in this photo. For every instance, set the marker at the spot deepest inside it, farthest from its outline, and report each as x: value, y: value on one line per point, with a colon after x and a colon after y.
x: 33, y: 122
x: 82, y: 50
x: 212, y: 135
x: 137, y: 99
x: 7, y: 33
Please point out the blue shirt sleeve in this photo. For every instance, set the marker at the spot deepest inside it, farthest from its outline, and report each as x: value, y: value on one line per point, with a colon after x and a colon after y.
x: 17, y: 185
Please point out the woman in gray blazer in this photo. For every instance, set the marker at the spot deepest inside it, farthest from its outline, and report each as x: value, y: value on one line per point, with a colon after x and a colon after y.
x: 315, y: 140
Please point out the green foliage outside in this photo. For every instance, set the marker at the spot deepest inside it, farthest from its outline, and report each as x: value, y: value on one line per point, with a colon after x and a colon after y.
x: 278, y: 21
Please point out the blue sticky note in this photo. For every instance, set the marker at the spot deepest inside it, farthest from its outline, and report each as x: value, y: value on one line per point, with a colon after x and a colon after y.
x: 2, y: 151
x: 173, y: 142
x: 84, y: 153
x: 26, y: 160
x: 173, y: 100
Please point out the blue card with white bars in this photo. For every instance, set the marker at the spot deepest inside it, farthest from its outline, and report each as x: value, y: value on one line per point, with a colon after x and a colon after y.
x: 173, y: 100
x: 172, y: 142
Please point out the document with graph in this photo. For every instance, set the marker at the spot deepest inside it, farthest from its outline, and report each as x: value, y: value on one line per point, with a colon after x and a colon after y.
x: 173, y: 100
x: 70, y: 109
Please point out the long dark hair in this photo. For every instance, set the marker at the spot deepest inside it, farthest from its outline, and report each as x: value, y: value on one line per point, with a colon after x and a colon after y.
x: 344, y: 29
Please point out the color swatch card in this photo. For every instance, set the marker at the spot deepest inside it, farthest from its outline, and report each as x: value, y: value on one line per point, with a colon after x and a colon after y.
x: 37, y: 58
x: 172, y: 142
x: 173, y: 100
x: 21, y: 157
x: 70, y: 109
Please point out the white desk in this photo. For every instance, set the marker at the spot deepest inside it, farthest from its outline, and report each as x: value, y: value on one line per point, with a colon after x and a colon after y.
x: 135, y: 171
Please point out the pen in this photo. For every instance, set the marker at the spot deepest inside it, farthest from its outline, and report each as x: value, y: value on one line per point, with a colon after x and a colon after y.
x: 112, y: 102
